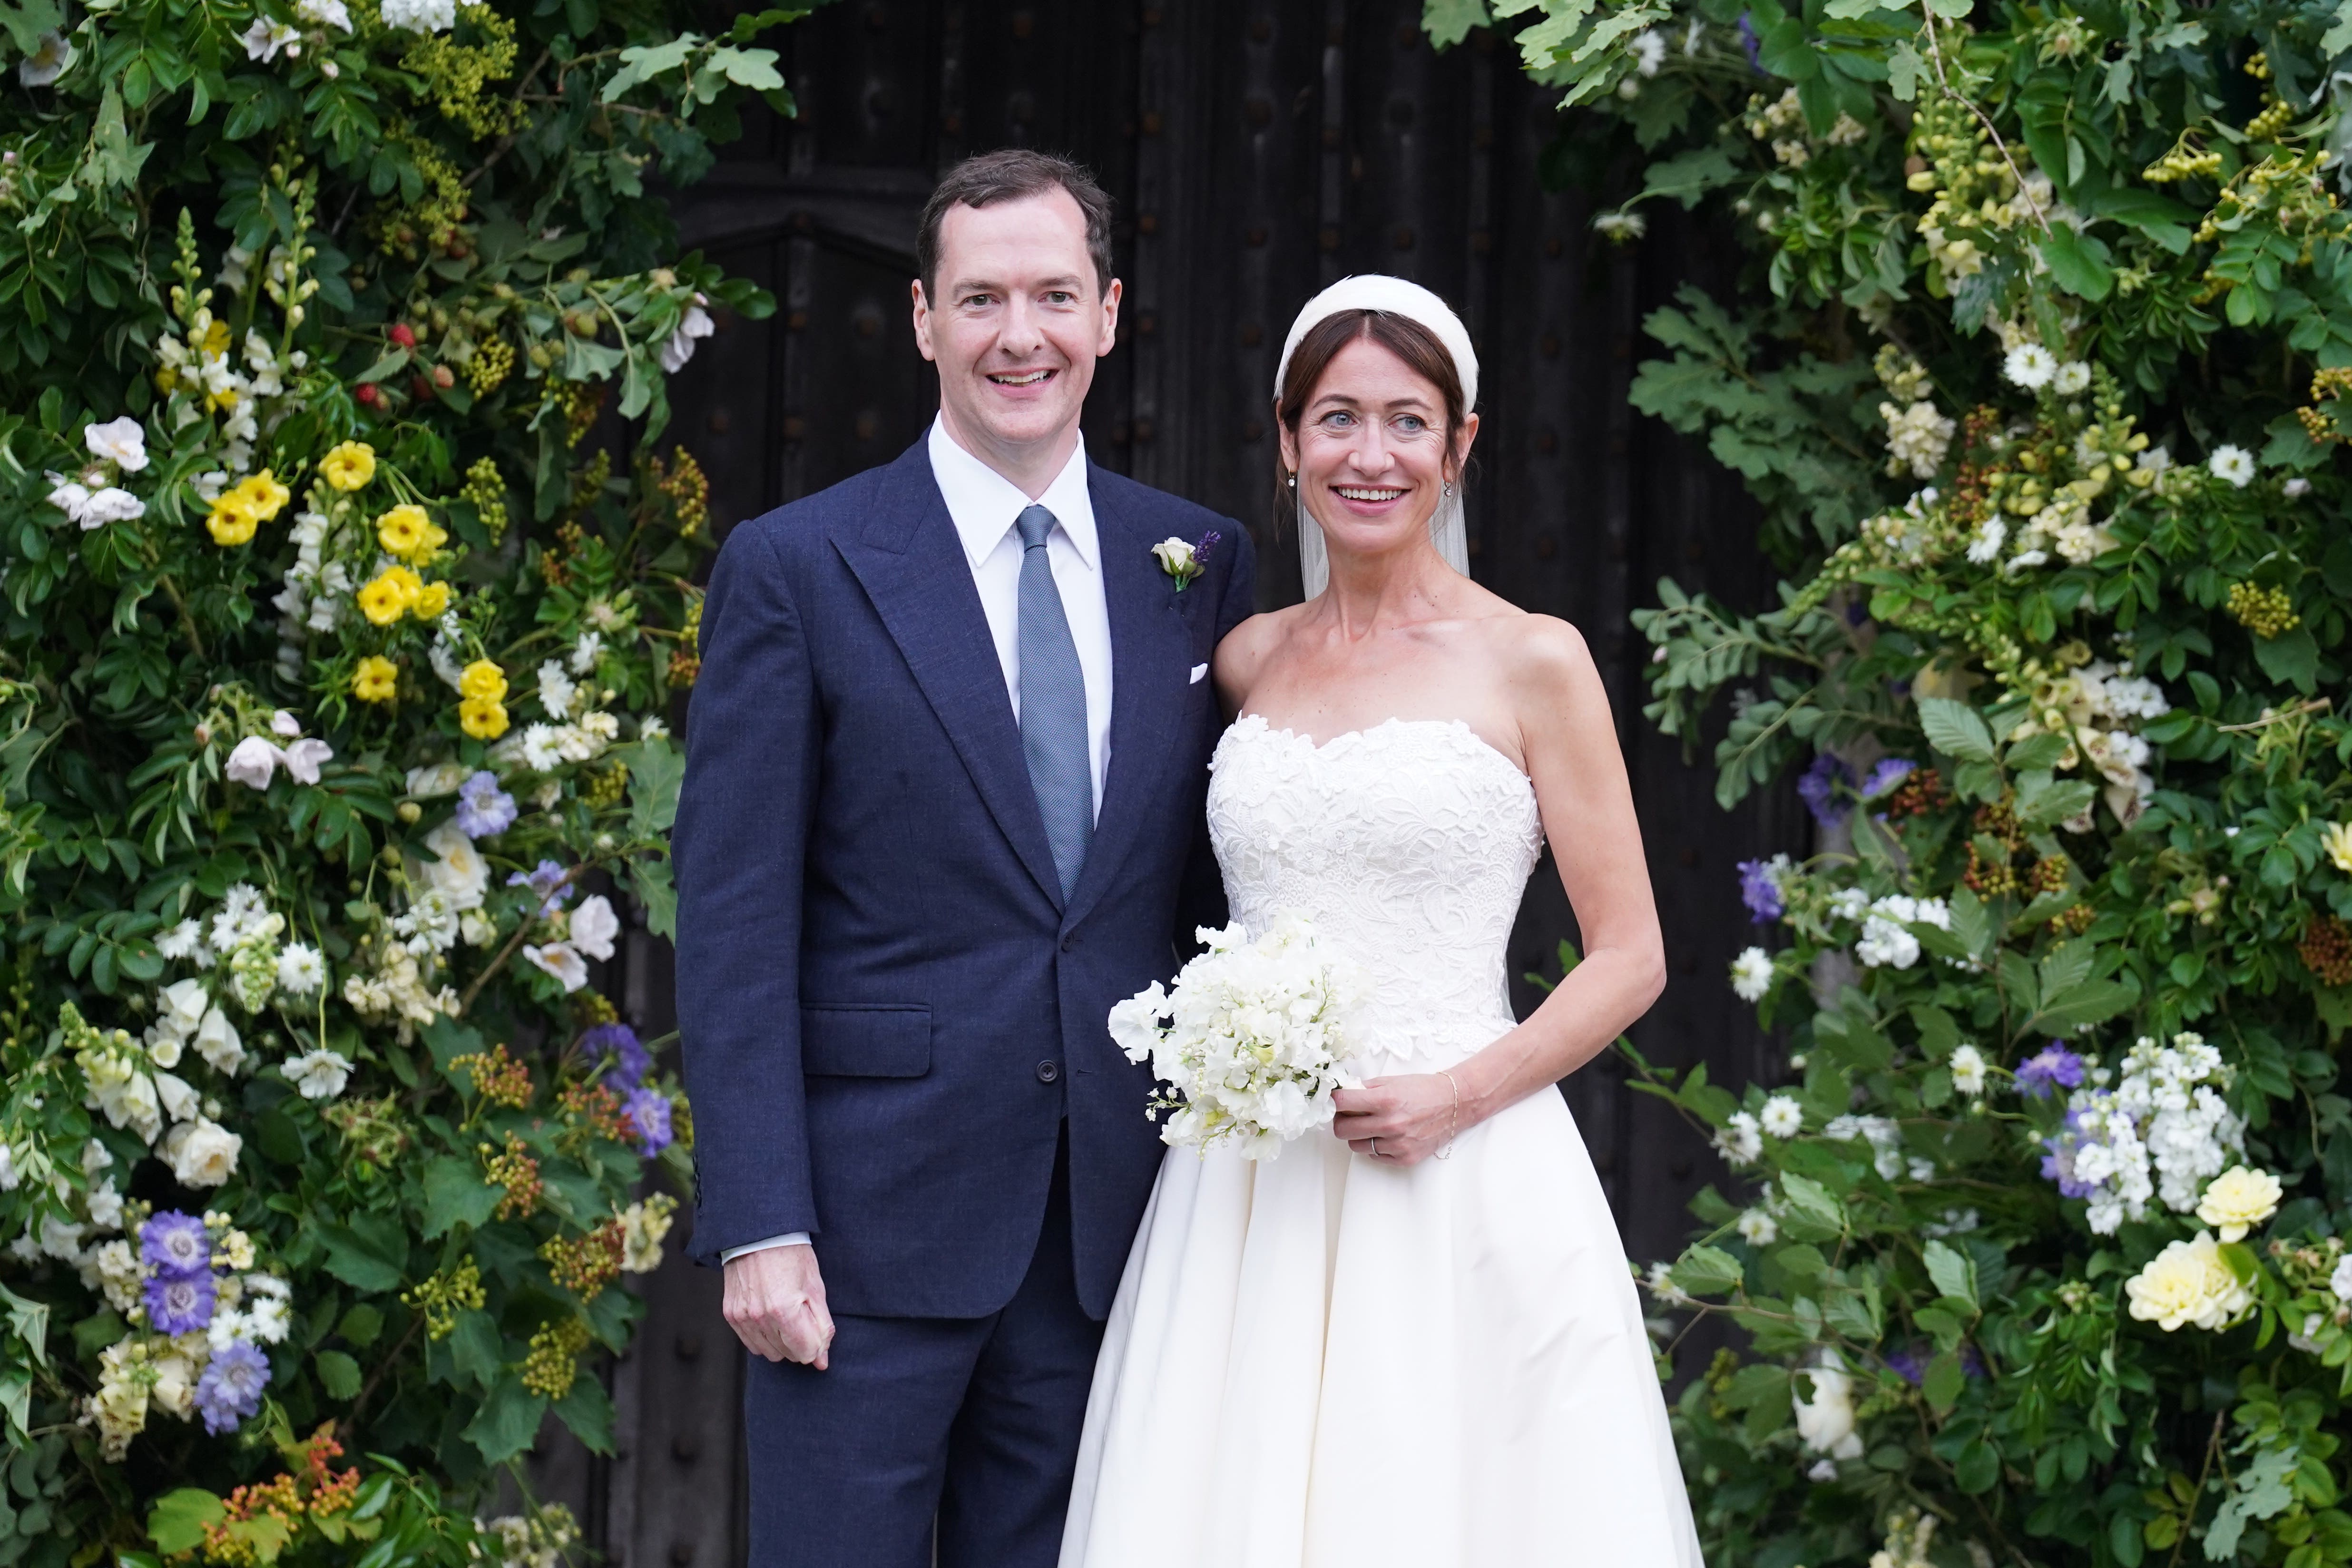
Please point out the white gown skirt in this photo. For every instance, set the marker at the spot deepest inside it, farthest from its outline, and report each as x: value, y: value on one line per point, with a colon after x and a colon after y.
x: 1321, y: 1361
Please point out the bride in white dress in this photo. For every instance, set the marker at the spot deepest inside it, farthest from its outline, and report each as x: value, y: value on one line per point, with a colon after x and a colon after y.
x: 1414, y: 1341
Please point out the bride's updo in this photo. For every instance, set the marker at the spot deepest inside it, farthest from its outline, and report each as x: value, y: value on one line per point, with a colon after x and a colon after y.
x: 1402, y: 336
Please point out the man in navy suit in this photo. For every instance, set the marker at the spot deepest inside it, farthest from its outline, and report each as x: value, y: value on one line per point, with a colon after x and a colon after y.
x: 943, y: 801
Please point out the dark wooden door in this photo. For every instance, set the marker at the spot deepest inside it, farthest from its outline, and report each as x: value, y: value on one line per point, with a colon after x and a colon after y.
x: 1257, y: 151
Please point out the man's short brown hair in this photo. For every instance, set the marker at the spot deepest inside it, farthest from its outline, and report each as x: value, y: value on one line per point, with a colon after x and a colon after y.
x: 1008, y: 174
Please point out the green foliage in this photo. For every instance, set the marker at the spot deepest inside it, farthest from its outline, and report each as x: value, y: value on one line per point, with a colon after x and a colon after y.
x: 2039, y: 368
x: 344, y: 593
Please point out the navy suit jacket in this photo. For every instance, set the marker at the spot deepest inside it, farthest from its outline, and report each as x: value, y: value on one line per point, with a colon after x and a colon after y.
x: 886, y: 1006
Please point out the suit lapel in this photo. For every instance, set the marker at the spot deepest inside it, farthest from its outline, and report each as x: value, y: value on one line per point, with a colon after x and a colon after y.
x: 912, y: 566
x: 1150, y: 654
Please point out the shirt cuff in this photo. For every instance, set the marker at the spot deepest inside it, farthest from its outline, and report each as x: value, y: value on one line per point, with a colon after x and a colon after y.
x: 729, y: 1255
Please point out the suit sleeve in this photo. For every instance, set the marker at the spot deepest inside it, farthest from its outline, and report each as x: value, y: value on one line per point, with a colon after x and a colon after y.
x: 1202, y: 899
x: 740, y: 846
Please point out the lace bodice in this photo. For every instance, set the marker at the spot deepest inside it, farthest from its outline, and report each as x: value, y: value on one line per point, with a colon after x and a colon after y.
x: 1408, y: 846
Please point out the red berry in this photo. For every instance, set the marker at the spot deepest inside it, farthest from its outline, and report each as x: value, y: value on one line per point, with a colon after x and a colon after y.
x: 444, y: 377
x: 403, y: 336
x: 422, y: 387
x: 368, y: 397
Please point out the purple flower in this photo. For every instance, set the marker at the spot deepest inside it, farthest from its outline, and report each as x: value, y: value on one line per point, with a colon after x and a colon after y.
x: 179, y: 1303
x: 648, y: 1113
x: 1209, y: 541
x: 483, y: 808
x: 1819, y: 785
x: 543, y: 879
x: 230, y: 1389
x: 1885, y: 775
x: 177, y: 1246
x: 1751, y: 43
x: 2058, y: 1165
x: 619, y: 1041
x: 2052, y: 1067
x: 1906, y: 1365
x: 1759, y: 889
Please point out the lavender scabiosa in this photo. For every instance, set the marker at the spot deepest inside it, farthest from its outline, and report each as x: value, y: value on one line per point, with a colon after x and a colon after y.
x: 230, y: 1388
x: 619, y: 1041
x: 1819, y: 786
x: 179, y: 1304
x: 177, y: 1246
x: 546, y: 879
x: 2053, y: 1066
x: 648, y: 1110
x: 483, y: 808
x: 1760, y: 886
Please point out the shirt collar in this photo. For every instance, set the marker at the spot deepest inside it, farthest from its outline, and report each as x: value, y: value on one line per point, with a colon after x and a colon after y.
x: 983, y: 504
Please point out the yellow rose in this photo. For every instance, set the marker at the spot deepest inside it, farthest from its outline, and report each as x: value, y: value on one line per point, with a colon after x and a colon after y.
x: 2239, y: 1199
x: 264, y: 495
x: 482, y: 679
x: 431, y: 601
x: 401, y: 532
x: 375, y: 679
x: 2188, y: 1282
x: 231, y: 522
x: 350, y: 465
x: 484, y: 718
x: 388, y: 597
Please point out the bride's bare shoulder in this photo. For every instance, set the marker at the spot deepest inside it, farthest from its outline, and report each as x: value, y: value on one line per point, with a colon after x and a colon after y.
x: 1546, y: 657
x: 1249, y: 645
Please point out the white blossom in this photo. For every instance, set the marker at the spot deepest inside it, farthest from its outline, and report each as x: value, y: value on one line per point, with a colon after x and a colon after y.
x: 421, y: 15
x: 122, y: 442
x: 680, y: 347
x: 1826, y: 1421
x: 301, y: 969
x: 2235, y: 464
x: 318, y: 1074
x: 1751, y: 974
x: 593, y: 926
x: 1739, y: 1139
x: 2072, y: 377
x: 561, y: 960
x: 1969, y: 1070
x: 1757, y: 1229
x: 202, y: 1153
x: 2030, y: 365
x: 1781, y: 1117
x: 253, y: 761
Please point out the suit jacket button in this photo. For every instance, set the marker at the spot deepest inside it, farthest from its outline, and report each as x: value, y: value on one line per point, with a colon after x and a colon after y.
x: 1068, y: 943
x: 1048, y: 1072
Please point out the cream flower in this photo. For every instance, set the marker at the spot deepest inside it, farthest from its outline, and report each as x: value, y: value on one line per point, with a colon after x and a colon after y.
x: 593, y: 926
x: 2240, y: 1199
x: 1757, y: 1229
x: 2337, y: 839
x: 2188, y: 1282
x: 561, y: 960
x: 2235, y: 464
x: 122, y: 442
x: 1826, y: 1421
x: 1969, y: 1070
x: 1783, y: 1117
x: 1751, y: 974
x: 202, y: 1153
x: 319, y: 1075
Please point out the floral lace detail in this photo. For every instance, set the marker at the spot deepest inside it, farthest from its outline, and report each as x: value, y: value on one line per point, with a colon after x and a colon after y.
x: 1408, y: 845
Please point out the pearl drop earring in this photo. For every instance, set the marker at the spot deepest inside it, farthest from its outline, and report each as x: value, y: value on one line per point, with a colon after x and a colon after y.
x: 1293, y: 481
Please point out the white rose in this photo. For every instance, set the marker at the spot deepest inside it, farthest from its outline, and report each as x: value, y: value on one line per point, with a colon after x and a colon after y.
x: 2239, y: 1199
x: 303, y: 757
x: 253, y: 761
x: 121, y: 441
x: 461, y: 874
x: 202, y: 1153
x: 1825, y: 1421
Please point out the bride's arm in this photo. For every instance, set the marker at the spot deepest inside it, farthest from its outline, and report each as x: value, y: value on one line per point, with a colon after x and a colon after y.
x: 1570, y: 744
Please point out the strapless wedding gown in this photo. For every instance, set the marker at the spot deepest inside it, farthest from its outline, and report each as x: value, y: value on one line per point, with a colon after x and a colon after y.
x: 1321, y: 1361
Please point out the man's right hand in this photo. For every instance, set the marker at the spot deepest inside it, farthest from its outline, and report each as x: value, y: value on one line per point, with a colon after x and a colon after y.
x: 775, y: 1304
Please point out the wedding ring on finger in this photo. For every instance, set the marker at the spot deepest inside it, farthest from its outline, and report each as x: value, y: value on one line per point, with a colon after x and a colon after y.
x: 1375, y: 1148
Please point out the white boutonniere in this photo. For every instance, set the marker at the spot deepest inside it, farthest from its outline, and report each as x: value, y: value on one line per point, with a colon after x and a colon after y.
x: 1184, y: 561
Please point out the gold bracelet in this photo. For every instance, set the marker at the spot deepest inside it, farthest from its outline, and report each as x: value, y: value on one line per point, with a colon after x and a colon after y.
x: 1455, y: 1126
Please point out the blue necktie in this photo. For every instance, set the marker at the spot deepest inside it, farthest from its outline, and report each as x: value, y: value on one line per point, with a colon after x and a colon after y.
x: 1054, y: 706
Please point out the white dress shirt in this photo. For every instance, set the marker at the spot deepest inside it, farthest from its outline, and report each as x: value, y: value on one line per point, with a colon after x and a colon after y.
x: 984, y: 505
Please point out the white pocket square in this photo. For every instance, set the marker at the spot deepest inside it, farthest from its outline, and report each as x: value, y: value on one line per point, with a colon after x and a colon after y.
x: 1198, y: 670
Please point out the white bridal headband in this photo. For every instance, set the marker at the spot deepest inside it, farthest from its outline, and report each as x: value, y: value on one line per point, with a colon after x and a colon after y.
x: 1448, y: 529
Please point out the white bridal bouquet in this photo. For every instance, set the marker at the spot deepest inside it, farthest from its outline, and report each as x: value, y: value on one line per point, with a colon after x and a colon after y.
x: 1251, y: 1043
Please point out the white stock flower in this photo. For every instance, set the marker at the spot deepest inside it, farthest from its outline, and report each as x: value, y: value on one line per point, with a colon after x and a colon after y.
x: 1751, y: 974
x: 2235, y: 464
x: 1783, y: 1117
x: 122, y: 442
x: 319, y: 1074
x: 1984, y: 545
x: 1887, y: 941
x: 2030, y: 365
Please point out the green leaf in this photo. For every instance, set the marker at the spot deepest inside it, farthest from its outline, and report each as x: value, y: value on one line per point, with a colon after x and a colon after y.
x: 587, y: 1410
x: 369, y: 1254
x: 456, y: 1194
x: 176, y: 1523
x: 1954, y: 1272
x: 1814, y: 1213
x: 507, y: 1422
x: 474, y: 1348
x: 2078, y: 262
x: 338, y: 1374
x: 1944, y: 1381
x: 1955, y: 729
x: 2292, y: 657
x: 1708, y: 1271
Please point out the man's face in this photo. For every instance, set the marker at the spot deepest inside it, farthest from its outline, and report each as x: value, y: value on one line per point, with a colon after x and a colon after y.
x: 1018, y: 324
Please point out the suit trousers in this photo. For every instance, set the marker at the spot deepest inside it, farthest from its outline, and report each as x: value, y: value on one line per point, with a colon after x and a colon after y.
x: 957, y: 1432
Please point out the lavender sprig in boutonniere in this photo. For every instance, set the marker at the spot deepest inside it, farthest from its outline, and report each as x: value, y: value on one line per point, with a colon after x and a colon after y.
x: 1185, y: 562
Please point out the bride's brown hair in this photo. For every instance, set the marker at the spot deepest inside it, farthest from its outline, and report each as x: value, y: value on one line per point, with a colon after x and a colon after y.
x: 1401, y: 336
